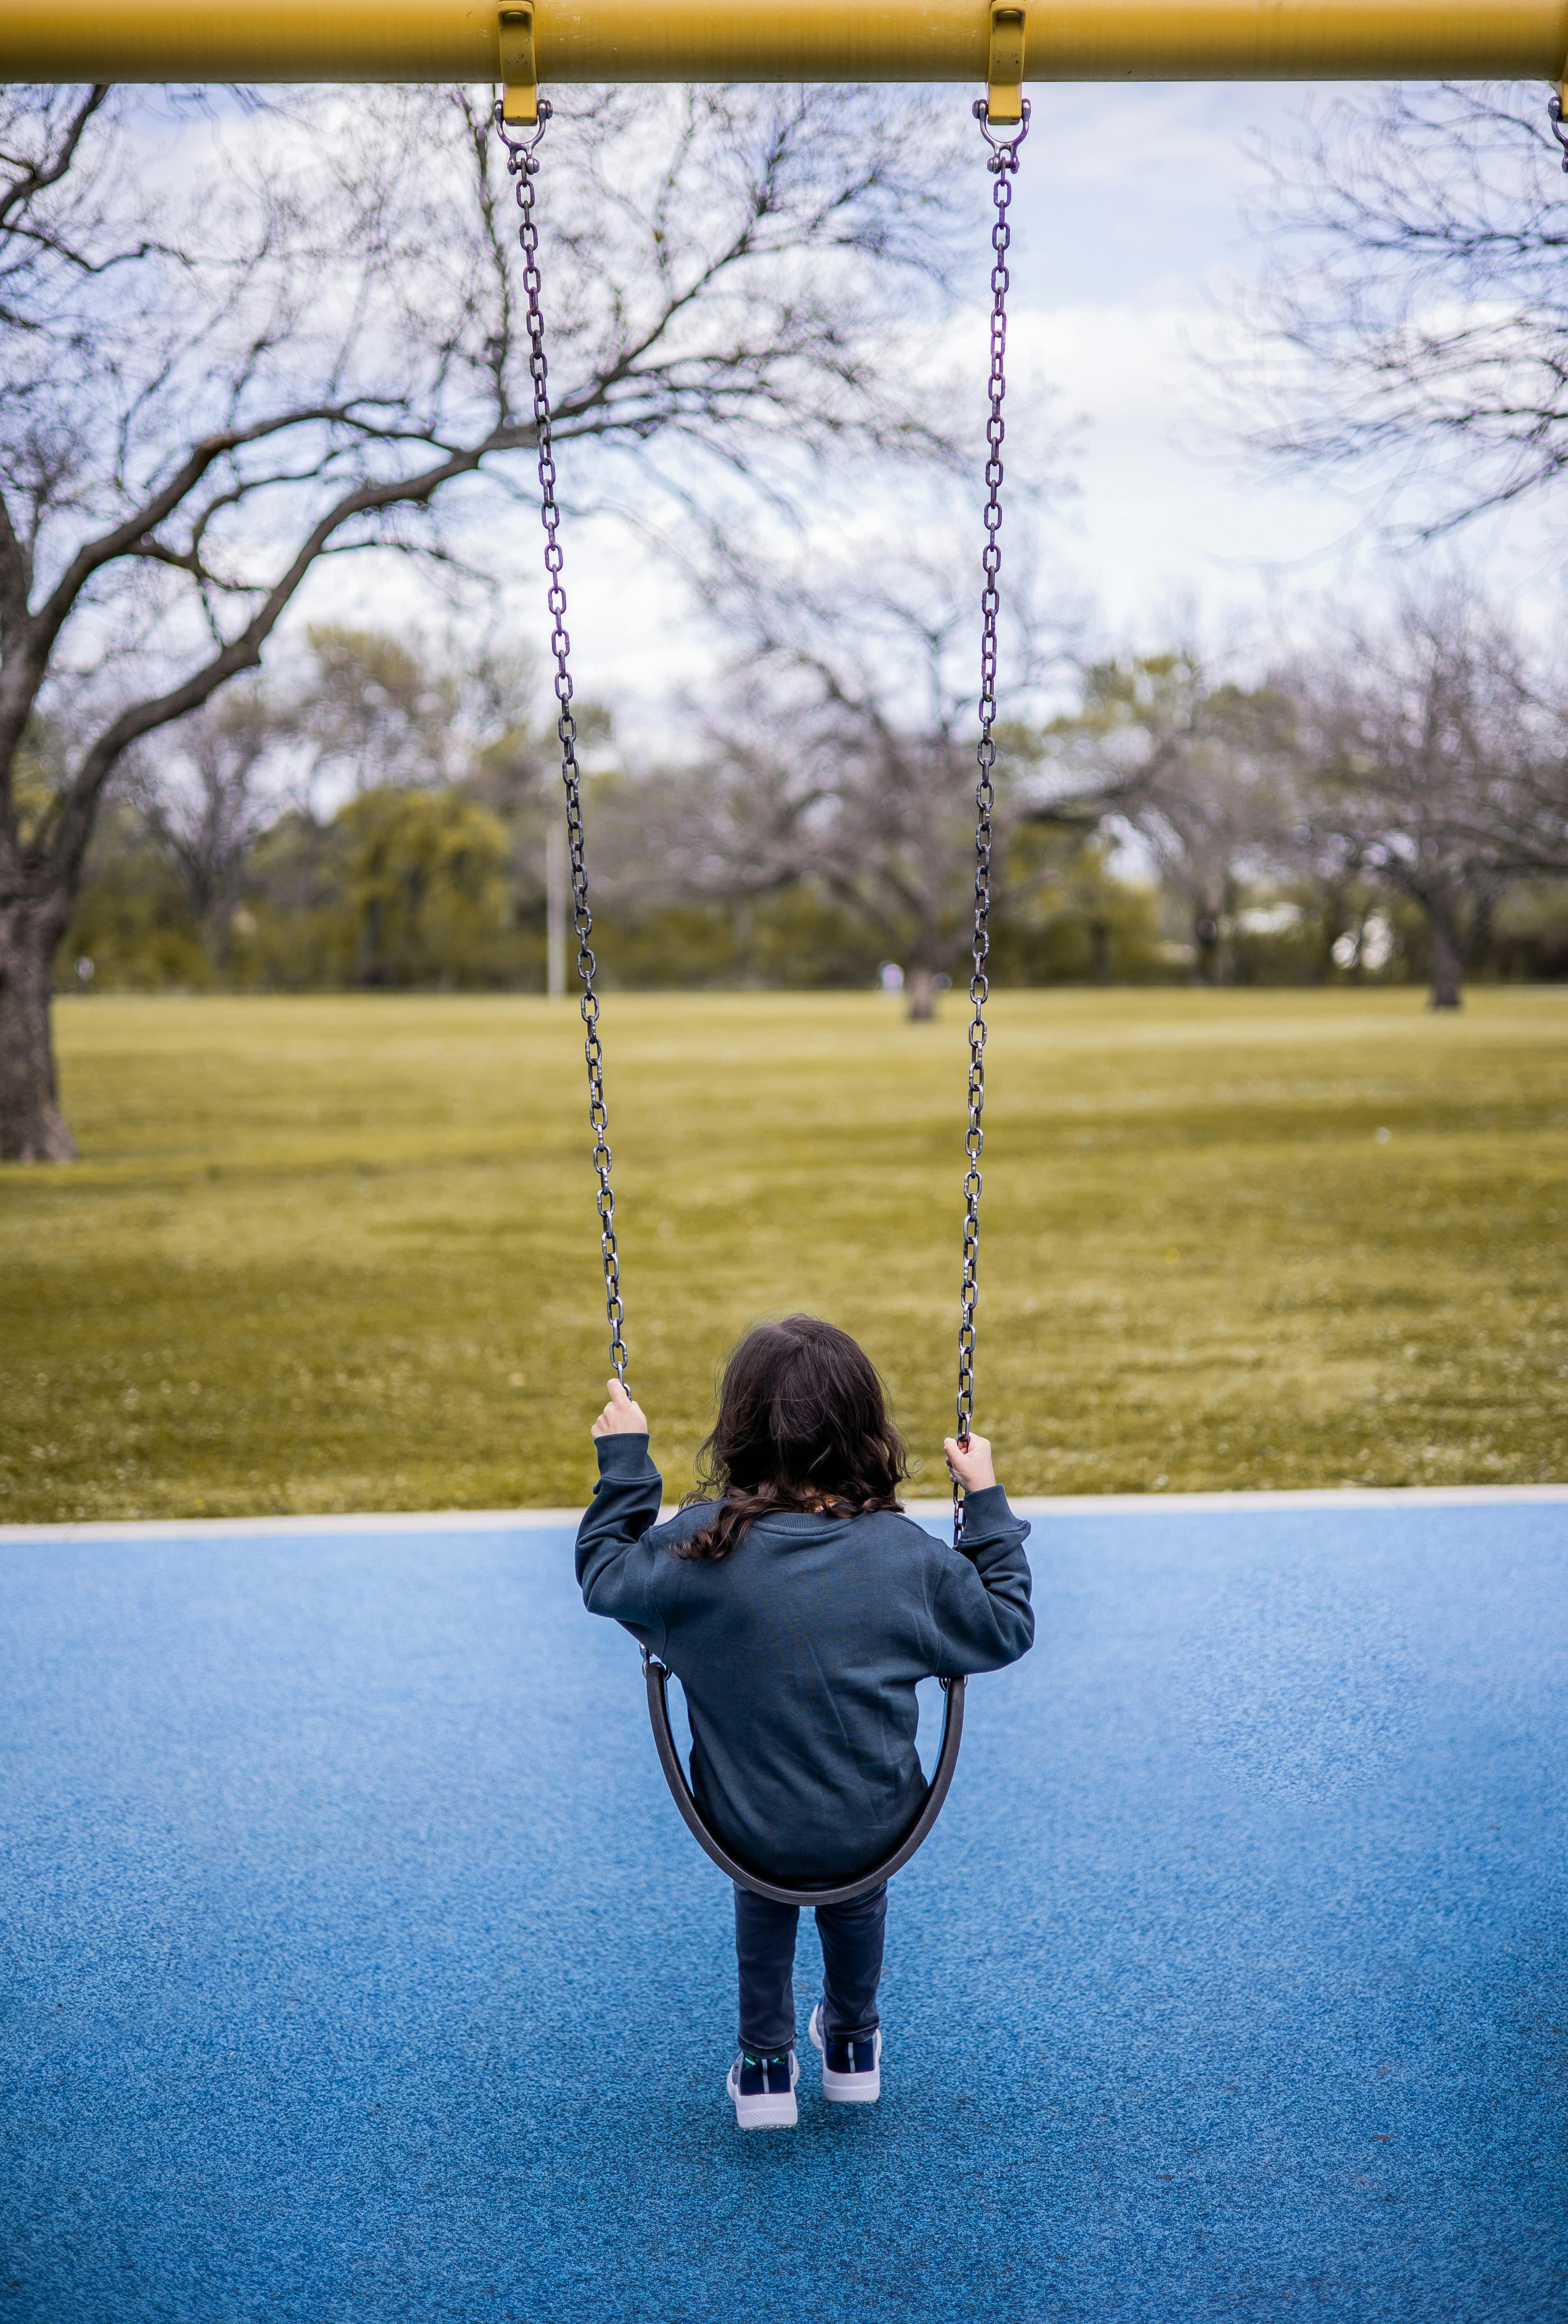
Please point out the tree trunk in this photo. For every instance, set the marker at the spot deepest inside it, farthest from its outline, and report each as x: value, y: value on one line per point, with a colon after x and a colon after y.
x: 1207, y: 943
x: 31, y: 1126
x: 922, y: 995
x: 1478, y: 942
x: 1447, y: 955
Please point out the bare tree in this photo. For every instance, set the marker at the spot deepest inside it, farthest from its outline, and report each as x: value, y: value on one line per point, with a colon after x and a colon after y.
x: 1200, y: 768
x: 842, y: 751
x: 1415, y: 320
x: 1436, y: 765
x: 205, y: 798
x: 321, y: 348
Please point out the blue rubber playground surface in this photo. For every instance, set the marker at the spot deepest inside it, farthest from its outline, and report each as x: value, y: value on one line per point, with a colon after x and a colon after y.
x: 356, y: 1966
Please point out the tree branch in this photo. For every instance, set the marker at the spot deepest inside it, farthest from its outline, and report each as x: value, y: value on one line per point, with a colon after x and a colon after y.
x: 66, y: 841
x: 37, y: 177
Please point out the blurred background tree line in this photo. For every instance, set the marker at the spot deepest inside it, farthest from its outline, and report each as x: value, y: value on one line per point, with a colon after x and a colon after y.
x: 1386, y: 806
x: 215, y: 380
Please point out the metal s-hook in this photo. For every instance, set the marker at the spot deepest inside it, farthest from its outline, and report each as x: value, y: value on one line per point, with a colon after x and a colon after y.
x: 1554, y: 116
x: 1003, y: 150
x: 522, y: 150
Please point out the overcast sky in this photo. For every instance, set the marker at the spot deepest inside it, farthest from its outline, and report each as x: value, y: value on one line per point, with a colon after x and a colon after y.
x: 1131, y: 229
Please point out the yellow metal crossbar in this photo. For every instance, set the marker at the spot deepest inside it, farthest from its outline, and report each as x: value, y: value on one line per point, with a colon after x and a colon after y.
x: 783, y: 39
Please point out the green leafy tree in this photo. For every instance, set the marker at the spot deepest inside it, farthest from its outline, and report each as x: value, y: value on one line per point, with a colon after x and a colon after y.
x: 425, y: 888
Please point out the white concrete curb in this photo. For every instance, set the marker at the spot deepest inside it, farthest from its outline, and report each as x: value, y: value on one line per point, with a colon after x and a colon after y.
x: 1068, y: 1504
x: 1322, y: 1497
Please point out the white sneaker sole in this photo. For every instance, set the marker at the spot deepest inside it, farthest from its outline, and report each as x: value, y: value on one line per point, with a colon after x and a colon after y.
x: 846, y: 2089
x: 775, y: 2111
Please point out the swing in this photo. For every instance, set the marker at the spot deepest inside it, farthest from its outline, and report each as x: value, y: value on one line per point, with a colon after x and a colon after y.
x: 1006, y: 107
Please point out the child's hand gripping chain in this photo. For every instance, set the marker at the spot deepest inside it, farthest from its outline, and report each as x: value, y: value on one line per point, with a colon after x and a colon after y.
x: 623, y: 1416
x: 968, y: 1460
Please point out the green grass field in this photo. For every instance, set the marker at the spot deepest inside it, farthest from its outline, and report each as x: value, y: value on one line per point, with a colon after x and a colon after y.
x: 339, y: 1253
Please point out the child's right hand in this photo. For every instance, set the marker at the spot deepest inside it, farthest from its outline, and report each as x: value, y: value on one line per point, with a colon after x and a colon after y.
x: 623, y: 1416
x: 969, y: 1462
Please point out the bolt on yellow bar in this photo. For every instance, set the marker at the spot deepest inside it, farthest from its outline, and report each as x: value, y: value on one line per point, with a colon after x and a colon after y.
x: 781, y: 40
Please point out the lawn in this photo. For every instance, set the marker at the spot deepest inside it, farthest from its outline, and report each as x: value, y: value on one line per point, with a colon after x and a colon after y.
x: 340, y: 1253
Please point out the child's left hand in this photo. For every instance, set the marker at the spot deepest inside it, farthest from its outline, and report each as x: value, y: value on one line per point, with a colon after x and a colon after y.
x: 623, y: 1416
x: 969, y: 1462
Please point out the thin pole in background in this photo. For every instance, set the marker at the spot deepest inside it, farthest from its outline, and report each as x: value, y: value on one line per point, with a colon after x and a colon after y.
x: 555, y: 883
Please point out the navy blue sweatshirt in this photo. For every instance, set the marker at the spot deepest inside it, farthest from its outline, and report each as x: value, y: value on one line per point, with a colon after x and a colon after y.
x: 799, y: 1654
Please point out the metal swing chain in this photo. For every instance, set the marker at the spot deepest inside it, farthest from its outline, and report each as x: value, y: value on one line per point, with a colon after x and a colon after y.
x: 523, y: 162
x: 1003, y: 166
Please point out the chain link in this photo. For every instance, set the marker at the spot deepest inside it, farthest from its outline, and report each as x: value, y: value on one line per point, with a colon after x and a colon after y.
x: 1003, y: 166
x: 523, y: 162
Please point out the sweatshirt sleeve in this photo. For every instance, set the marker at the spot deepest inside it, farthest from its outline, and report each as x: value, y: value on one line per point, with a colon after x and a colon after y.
x: 984, y: 1615
x: 616, y: 1562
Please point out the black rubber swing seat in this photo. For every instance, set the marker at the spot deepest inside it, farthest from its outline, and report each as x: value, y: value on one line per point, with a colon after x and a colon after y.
x: 844, y: 1892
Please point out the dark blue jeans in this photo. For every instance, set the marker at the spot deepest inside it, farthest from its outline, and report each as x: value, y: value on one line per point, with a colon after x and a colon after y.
x: 852, y: 1965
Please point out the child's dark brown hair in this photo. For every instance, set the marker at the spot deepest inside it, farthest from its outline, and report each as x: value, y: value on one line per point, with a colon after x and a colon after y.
x: 802, y: 1424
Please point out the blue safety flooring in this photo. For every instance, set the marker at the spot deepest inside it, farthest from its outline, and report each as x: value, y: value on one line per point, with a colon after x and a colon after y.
x: 356, y: 1966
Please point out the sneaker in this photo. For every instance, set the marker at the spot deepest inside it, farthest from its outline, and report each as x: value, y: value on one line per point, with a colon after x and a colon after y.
x: 852, y: 2071
x: 763, y: 2090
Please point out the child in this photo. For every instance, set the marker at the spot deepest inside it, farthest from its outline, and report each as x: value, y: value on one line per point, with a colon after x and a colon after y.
x: 799, y: 1608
